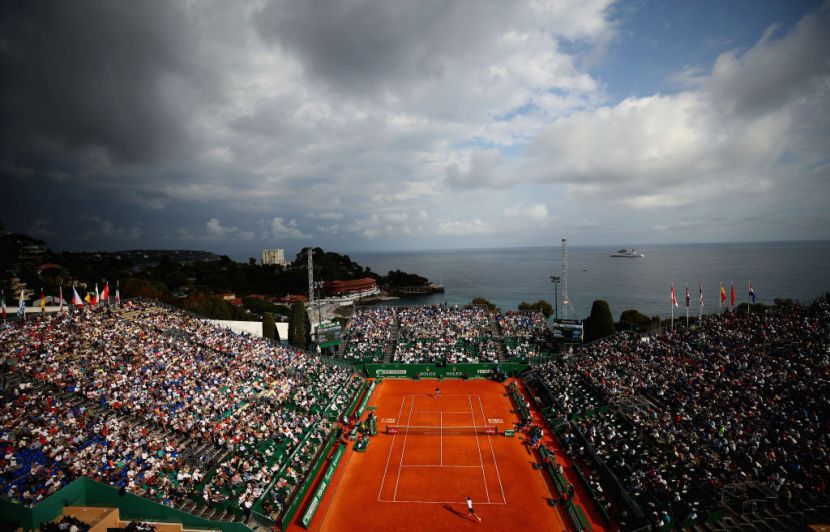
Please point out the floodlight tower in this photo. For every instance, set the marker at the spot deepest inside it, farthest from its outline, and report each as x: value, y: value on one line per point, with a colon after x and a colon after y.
x: 564, y: 276
x: 310, y: 279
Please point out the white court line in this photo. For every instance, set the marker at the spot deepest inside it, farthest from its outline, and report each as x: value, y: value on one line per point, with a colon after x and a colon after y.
x: 440, y: 465
x: 490, y: 439
x: 480, y: 459
x: 442, y: 412
x: 442, y: 438
x: 403, y: 451
x: 388, y: 458
x: 442, y: 502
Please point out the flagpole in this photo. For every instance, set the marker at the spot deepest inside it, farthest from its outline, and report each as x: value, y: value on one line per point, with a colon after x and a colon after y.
x: 673, y: 299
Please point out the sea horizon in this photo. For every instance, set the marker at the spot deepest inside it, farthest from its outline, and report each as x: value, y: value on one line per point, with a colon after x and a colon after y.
x: 507, y: 276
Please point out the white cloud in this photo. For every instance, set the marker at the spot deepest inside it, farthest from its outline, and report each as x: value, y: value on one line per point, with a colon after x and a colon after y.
x: 277, y: 228
x: 739, y: 129
x: 472, y: 227
x: 537, y: 213
x: 215, y: 230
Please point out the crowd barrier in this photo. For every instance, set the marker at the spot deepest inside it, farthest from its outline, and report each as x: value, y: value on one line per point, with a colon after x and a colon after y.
x: 294, y: 506
x: 437, y: 371
x: 321, y: 489
x: 87, y: 492
x: 521, y: 405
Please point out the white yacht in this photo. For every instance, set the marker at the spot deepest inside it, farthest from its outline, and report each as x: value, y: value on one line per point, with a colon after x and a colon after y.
x: 628, y: 253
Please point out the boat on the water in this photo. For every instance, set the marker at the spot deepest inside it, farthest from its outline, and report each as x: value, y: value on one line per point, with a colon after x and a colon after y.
x: 628, y: 253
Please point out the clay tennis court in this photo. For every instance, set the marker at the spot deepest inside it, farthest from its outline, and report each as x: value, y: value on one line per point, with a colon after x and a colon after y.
x: 418, y: 476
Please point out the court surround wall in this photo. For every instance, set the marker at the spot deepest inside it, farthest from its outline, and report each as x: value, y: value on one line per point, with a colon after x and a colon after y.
x: 432, y: 371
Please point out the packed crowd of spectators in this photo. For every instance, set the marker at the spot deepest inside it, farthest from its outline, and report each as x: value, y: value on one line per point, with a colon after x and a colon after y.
x: 46, y: 444
x: 166, y: 370
x: 740, y: 398
x: 444, y: 333
x: 523, y: 332
x: 522, y: 324
x: 369, y: 331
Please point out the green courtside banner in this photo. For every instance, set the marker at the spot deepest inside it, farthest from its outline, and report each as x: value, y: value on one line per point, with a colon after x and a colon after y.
x: 321, y: 489
x: 365, y: 399
x: 433, y: 371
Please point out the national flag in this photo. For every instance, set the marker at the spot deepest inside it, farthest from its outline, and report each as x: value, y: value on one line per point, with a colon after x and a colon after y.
x: 732, y: 294
x: 688, y: 297
x: 21, y: 306
x: 105, y: 293
x: 701, y: 294
x: 751, y: 292
x: 3, y: 304
x: 97, y: 297
x: 117, y: 294
x: 60, y: 298
x: 673, y: 297
x: 722, y: 294
x: 76, y: 299
x: 42, y: 301
x: 91, y: 299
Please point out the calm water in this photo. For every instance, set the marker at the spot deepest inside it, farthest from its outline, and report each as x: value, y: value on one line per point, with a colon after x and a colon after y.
x: 798, y: 270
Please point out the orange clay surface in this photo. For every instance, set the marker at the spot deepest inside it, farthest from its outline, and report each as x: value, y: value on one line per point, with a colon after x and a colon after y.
x: 419, y: 482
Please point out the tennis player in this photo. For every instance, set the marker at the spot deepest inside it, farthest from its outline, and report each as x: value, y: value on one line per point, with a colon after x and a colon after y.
x: 471, y: 512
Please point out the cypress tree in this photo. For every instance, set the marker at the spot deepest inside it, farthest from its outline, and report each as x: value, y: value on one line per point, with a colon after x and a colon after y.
x: 269, y: 328
x: 297, y: 333
x: 600, y: 323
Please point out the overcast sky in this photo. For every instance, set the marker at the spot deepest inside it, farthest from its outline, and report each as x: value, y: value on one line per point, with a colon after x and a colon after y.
x: 381, y: 124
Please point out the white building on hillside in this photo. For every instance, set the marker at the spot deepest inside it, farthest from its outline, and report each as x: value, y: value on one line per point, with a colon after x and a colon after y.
x: 274, y: 256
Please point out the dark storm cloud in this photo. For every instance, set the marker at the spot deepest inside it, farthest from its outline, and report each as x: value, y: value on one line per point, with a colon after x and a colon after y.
x: 376, y: 44
x: 94, y: 80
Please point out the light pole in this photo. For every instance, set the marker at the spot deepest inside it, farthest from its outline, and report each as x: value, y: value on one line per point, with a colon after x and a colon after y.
x: 556, y: 280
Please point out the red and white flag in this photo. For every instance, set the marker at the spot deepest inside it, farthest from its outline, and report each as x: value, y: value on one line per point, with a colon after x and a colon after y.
x: 117, y: 294
x: 3, y: 304
x: 76, y: 299
x: 105, y: 293
x: 673, y: 297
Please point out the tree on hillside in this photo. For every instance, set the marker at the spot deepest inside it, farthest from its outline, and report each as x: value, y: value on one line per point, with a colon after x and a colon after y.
x: 144, y: 288
x: 269, y: 328
x: 297, y: 333
x: 634, y: 320
x: 600, y: 323
x: 541, y: 306
x: 481, y: 301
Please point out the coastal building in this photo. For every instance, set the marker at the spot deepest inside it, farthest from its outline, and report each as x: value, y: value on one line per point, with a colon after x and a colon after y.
x: 353, y: 286
x: 273, y: 257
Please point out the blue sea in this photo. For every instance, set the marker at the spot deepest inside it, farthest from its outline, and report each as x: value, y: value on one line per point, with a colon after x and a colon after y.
x: 508, y: 276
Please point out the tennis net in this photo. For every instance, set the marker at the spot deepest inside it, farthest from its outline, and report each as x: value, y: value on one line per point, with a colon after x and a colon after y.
x: 432, y: 430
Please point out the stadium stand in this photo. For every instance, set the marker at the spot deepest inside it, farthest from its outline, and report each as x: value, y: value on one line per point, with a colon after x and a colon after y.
x: 443, y: 334
x: 727, y: 422
x: 162, y: 404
